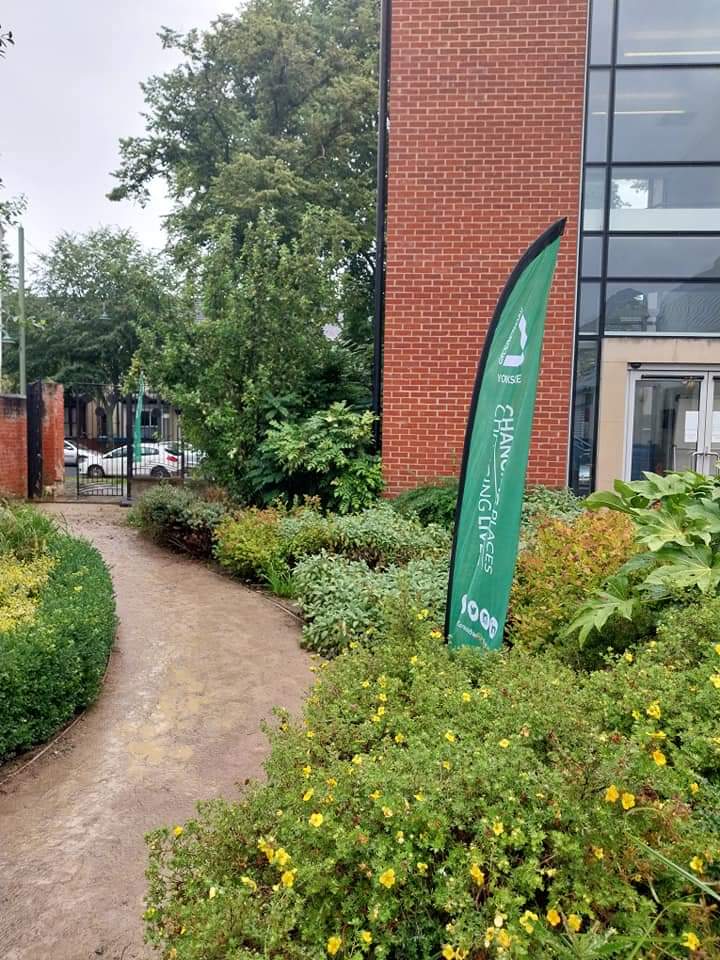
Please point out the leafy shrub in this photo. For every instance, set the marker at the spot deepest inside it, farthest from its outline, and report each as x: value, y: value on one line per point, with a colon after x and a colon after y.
x: 306, y: 531
x: 327, y: 455
x: 554, y: 574
x: 248, y: 543
x: 24, y: 532
x: 52, y: 665
x: 178, y: 517
x: 381, y: 537
x: 438, y: 805
x: 20, y: 585
x: 676, y: 521
x: 430, y: 503
x: 542, y: 502
x: 344, y: 601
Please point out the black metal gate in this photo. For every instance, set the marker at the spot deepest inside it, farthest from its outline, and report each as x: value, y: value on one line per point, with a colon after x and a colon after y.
x: 34, y: 439
x: 98, y: 457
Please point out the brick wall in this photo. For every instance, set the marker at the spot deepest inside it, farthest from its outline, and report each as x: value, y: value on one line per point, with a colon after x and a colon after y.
x: 486, y: 108
x: 13, y: 446
x: 53, y: 435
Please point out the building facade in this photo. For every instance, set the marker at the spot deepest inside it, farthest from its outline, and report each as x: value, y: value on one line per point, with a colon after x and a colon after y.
x: 503, y: 117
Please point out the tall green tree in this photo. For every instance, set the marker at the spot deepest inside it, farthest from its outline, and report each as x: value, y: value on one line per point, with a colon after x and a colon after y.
x: 254, y: 347
x: 85, y: 305
x: 273, y: 108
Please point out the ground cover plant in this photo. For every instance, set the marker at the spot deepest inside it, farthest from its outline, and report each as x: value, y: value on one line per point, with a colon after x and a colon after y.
x: 57, y: 624
x: 430, y: 804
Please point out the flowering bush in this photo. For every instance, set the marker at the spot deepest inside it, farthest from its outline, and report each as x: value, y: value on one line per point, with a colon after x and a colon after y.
x: 430, y: 805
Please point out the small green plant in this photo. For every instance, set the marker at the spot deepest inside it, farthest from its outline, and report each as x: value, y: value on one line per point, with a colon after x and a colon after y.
x: 676, y: 521
x: 179, y: 518
x: 248, y: 544
x: 430, y: 503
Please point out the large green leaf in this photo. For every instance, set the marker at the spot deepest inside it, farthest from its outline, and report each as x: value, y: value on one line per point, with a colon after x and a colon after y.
x: 695, y: 567
x: 658, y: 528
x: 614, y: 600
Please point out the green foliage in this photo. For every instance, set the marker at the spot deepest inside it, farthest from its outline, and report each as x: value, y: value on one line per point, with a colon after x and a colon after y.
x: 91, y: 293
x: 541, y: 502
x: 676, y: 522
x: 554, y: 574
x: 178, y: 517
x: 431, y: 804
x: 20, y: 584
x: 51, y: 665
x: 248, y: 544
x: 24, y: 532
x: 327, y: 455
x: 381, y: 537
x: 431, y: 503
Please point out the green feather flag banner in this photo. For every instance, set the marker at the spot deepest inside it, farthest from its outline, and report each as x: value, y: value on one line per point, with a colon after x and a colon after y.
x: 497, y: 445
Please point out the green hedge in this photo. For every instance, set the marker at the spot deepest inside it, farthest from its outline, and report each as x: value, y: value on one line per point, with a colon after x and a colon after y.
x: 52, y: 666
x: 433, y: 804
x: 177, y: 517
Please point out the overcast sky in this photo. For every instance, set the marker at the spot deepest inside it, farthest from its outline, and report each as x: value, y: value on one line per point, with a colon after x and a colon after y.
x: 69, y: 89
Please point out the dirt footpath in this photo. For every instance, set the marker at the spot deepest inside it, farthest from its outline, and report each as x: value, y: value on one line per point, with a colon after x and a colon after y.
x: 198, y: 662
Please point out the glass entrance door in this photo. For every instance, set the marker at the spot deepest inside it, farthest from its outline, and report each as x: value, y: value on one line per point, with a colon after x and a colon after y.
x: 665, y: 424
x: 674, y: 422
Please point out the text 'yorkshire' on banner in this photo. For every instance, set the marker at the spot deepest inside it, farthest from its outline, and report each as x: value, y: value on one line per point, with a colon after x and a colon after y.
x: 497, y: 445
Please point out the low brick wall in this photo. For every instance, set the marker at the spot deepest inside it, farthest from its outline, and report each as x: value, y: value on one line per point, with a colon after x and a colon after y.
x: 13, y: 446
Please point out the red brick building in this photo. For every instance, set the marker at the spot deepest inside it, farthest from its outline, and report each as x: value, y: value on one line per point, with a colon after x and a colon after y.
x: 490, y: 141
x: 486, y: 112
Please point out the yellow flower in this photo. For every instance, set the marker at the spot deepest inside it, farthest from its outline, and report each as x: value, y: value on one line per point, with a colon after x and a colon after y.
x: 419, y: 797
x: 654, y: 710
x: 316, y: 819
x: 365, y: 684
x: 690, y: 941
x: 504, y: 743
x: 331, y: 782
x: 288, y: 878
x: 628, y: 801
x: 448, y: 952
x: 381, y: 711
x: 282, y: 857
x: 178, y: 831
x: 435, y: 635
x: 715, y: 680
x: 694, y: 788
x: 387, y: 812
x: 387, y: 878
x: 629, y: 657
x: 498, y: 828
x: 400, y: 836
x: 574, y: 922
x: 413, y: 660
x: 366, y: 937
x: 308, y: 795
x: 697, y: 864
x: 310, y: 734
x: 636, y: 714
x: 527, y: 920
x: 423, y: 614
x: 504, y: 939
x: 333, y: 945
x: 450, y: 736
x: 659, y: 758
x: 611, y: 794
x: 212, y: 893
x: 357, y: 760
x: 466, y: 697
x: 422, y: 869
x: 266, y: 848
x: 307, y: 771
x: 553, y: 917
x: 400, y: 738
x: 375, y: 795
x: 477, y: 874
x: 382, y: 697
x: 248, y: 882
x: 598, y: 853
x: 446, y: 764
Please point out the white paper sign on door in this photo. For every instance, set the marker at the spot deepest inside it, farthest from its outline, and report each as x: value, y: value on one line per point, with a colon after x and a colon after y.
x: 691, y: 426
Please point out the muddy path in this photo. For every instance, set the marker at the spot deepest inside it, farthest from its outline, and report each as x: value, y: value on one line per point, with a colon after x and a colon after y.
x: 198, y: 663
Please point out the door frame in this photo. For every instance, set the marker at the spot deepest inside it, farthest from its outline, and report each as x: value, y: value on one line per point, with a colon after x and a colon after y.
x: 703, y: 371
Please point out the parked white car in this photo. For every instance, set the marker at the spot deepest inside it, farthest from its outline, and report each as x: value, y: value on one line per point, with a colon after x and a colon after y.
x: 74, y: 453
x: 193, y: 457
x: 155, y: 461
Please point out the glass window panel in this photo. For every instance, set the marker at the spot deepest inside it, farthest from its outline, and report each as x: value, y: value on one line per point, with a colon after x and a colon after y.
x: 665, y: 425
x: 589, y: 308
x: 592, y: 256
x: 601, y: 23
x: 667, y: 115
x: 669, y: 31
x: 664, y: 308
x: 594, y: 199
x: 663, y: 257
x: 665, y: 198
x: 581, y: 454
x: 597, y: 115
